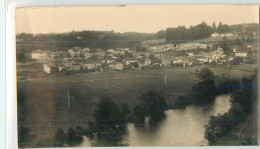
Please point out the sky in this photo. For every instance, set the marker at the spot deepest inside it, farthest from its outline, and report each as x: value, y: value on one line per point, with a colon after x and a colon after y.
x: 130, y: 18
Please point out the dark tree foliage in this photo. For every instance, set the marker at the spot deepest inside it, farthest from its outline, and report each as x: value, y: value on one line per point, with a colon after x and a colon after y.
x: 107, y: 114
x: 206, y: 74
x: 20, y: 57
x: 24, y: 136
x: 223, y: 28
x: 125, y: 111
x: 181, y: 34
x: 242, y: 101
x: 218, y: 127
x: 74, y: 137
x: 140, y: 111
x: 214, y: 27
x: 21, y: 106
x: 60, y: 138
x: 153, y: 103
x: 224, y: 44
x: 110, y: 122
x: 181, y: 102
x: 92, y: 39
x: 160, y: 34
x: 203, y: 92
x: 228, y: 86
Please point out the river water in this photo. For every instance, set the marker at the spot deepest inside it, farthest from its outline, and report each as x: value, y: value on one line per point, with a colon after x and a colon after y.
x: 179, y: 127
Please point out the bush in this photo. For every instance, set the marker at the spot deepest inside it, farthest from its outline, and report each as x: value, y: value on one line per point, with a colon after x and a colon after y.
x: 206, y: 74
x: 60, y: 138
x: 203, y: 92
x: 73, y: 137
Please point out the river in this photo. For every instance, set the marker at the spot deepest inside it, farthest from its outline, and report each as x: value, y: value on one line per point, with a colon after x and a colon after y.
x: 179, y: 127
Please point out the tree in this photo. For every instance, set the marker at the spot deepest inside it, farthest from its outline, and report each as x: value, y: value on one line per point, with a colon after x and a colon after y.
x: 219, y: 27
x: 203, y: 92
x: 107, y: 114
x: 139, y: 111
x: 153, y: 103
x: 214, y: 27
x: 218, y: 127
x: 160, y: 34
x: 21, y: 57
x: 182, y: 34
x: 109, y: 122
x: 241, y: 101
x: 24, y: 136
x: 125, y: 110
x: 223, y: 28
x: 224, y: 44
x: 73, y: 137
x: 60, y: 138
x: 206, y: 74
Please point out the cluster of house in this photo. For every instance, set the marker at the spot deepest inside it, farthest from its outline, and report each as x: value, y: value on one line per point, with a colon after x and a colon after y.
x: 191, y: 58
x: 78, y: 59
x: 184, y: 46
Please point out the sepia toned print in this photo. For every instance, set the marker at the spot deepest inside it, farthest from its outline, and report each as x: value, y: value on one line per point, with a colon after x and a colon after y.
x: 137, y: 75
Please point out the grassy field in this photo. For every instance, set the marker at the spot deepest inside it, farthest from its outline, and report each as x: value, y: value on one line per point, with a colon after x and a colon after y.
x: 47, y: 96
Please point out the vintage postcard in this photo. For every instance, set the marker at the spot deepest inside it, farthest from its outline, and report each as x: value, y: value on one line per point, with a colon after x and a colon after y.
x: 137, y: 75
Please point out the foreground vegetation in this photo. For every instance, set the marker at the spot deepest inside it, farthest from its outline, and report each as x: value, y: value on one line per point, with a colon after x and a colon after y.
x: 221, y: 128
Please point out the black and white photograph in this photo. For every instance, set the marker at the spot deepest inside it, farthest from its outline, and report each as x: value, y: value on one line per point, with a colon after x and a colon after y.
x: 137, y: 75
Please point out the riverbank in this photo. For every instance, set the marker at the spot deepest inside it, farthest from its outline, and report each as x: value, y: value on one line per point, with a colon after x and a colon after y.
x: 239, y: 125
x: 245, y: 133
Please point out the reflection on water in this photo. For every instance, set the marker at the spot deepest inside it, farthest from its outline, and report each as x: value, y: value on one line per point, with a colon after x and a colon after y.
x: 177, y: 127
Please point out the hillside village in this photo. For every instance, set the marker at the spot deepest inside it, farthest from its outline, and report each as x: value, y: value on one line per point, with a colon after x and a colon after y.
x: 85, y: 59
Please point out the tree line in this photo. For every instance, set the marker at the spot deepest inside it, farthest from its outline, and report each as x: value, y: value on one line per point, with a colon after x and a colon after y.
x: 111, y: 39
x: 182, y: 33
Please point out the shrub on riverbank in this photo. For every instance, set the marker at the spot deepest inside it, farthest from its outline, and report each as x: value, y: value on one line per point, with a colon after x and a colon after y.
x: 152, y: 104
x: 204, y: 91
x: 242, y: 100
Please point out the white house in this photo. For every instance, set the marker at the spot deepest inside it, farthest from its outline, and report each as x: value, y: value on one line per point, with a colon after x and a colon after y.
x: 187, y: 46
x: 202, y: 59
x: 131, y: 61
x: 241, y: 54
x: 116, y: 66
x: 227, y: 35
x: 177, y: 60
x: 215, y: 35
x: 39, y: 55
x: 190, y: 54
x: 111, y: 51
